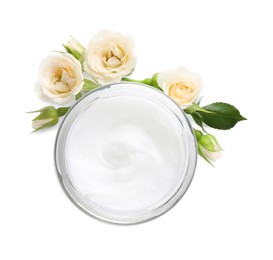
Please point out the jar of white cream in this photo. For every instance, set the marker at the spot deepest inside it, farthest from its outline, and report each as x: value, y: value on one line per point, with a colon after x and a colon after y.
x: 125, y: 153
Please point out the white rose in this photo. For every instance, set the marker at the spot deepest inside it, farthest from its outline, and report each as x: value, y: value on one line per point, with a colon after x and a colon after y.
x: 60, y: 78
x: 109, y: 57
x: 181, y: 85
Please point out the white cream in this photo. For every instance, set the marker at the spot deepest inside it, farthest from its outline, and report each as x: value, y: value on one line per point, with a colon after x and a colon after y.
x: 125, y: 153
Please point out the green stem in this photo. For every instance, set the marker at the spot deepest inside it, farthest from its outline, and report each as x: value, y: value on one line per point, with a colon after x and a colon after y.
x: 147, y: 81
x: 195, y: 108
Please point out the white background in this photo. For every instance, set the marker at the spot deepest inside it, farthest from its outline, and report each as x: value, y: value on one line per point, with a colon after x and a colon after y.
x: 227, y: 211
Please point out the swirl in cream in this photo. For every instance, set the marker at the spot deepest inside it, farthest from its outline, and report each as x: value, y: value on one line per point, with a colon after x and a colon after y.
x: 125, y: 153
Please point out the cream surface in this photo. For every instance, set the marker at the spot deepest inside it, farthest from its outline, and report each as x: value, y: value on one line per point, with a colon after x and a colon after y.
x: 125, y: 153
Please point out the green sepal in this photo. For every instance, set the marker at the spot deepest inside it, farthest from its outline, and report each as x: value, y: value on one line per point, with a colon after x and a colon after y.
x: 74, y: 48
x: 198, y: 134
x: 77, y: 55
x: 200, y: 152
x: 155, y: 82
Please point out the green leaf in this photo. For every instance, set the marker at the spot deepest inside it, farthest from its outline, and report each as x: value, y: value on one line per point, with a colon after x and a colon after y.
x: 220, y: 115
x: 61, y: 111
x: 78, y: 96
x: 89, y: 85
x: 224, y: 109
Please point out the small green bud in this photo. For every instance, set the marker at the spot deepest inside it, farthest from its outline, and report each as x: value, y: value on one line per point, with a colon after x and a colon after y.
x: 76, y: 49
x: 48, y: 117
x: 208, y: 147
x: 210, y: 143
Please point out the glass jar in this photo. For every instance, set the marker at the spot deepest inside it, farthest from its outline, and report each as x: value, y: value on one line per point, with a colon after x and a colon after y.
x: 125, y: 153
